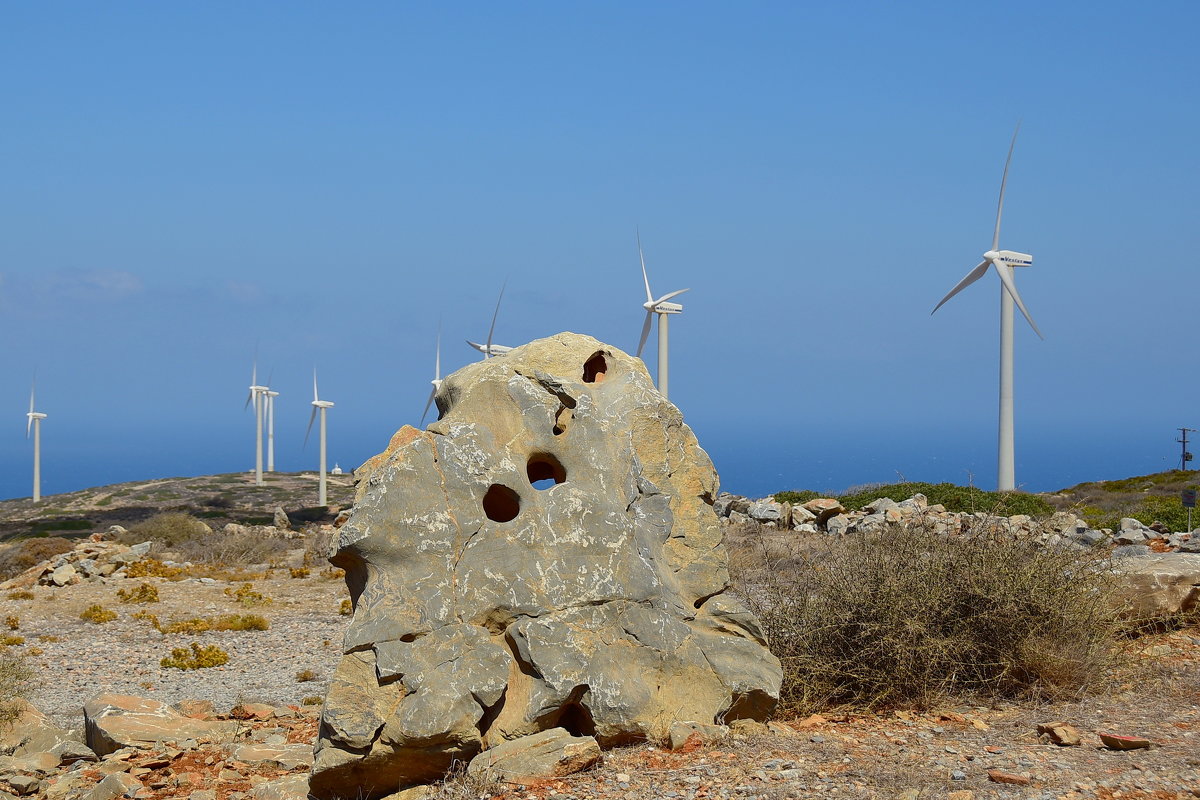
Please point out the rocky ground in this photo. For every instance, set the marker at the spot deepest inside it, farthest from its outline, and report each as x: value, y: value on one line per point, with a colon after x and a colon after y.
x: 961, y: 751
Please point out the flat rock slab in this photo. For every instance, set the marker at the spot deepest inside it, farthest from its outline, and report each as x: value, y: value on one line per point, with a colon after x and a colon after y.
x: 32, y: 732
x: 1159, y: 585
x: 549, y: 754
x: 285, y: 756
x: 113, y: 721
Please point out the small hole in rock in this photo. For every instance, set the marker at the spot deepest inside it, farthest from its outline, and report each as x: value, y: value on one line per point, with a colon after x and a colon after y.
x: 545, y: 470
x: 501, y: 503
x: 594, y: 369
x: 557, y: 430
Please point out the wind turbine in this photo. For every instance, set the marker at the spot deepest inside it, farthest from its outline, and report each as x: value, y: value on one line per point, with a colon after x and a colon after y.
x: 663, y: 309
x: 1003, y: 261
x: 34, y: 423
x: 256, y: 393
x: 490, y: 349
x: 270, y: 395
x: 437, y: 376
x: 322, y: 405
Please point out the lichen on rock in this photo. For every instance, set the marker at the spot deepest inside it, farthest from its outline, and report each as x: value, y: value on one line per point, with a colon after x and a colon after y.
x: 544, y: 555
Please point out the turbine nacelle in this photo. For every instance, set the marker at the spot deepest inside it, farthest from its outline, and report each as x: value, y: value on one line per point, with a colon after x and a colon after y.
x: 490, y: 349
x: 322, y: 404
x: 1009, y: 257
x: 664, y: 308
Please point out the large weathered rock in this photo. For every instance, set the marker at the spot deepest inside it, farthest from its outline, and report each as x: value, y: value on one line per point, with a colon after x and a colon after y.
x: 1159, y: 585
x: 544, y: 555
x: 113, y: 721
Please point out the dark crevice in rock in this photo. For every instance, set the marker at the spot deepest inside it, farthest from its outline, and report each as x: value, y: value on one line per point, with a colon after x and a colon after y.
x: 489, y: 712
x: 575, y: 717
x: 705, y: 598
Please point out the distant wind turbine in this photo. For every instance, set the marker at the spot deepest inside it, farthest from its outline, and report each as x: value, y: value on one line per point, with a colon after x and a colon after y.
x: 256, y: 395
x: 490, y: 349
x: 1003, y: 262
x: 437, y: 375
x: 270, y: 395
x: 322, y: 406
x: 662, y: 308
x: 34, y: 423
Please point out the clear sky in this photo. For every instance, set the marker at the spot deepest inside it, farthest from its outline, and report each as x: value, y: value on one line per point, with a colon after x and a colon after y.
x: 183, y: 183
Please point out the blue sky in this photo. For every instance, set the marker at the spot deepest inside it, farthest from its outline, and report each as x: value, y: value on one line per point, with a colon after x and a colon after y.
x: 184, y: 183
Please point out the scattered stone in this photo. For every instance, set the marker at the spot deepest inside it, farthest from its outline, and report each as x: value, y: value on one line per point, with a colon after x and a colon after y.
x: 118, y: 784
x: 682, y: 733
x: 823, y: 508
x: 1060, y: 733
x: 284, y: 756
x: 549, y: 754
x: 1116, y: 742
x: 292, y: 787
x: 280, y: 519
x: 1000, y: 776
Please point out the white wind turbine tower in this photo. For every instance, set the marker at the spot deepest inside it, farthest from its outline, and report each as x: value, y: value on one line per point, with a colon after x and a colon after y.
x: 663, y: 309
x: 490, y: 349
x: 437, y: 376
x: 256, y: 395
x: 322, y: 405
x: 1003, y: 261
x: 270, y: 395
x: 34, y: 423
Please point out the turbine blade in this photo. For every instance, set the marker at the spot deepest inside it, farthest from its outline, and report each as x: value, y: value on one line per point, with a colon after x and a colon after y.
x: 249, y: 397
x: 437, y: 359
x: 315, y: 397
x: 270, y: 375
x: 645, y: 278
x: 428, y: 403
x: 972, y: 276
x: 311, y: 418
x: 645, y: 332
x: 1005, y: 278
x: 667, y: 297
x: 28, y: 424
x: 32, y: 391
x: 496, y: 313
x: 1003, y: 183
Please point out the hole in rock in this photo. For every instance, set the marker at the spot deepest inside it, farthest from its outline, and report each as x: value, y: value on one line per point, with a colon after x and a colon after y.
x: 501, y: 503
x: 577, y: 720
x: 561, y: 419
x: 545, y: 470
x: 594, y: 369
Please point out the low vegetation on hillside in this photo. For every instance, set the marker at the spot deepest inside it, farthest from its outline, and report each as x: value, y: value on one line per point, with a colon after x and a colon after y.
x: 952, y: 496
x: 1146, y: 498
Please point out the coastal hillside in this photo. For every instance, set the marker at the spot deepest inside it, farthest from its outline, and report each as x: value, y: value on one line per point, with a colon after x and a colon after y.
x: 217, y: 499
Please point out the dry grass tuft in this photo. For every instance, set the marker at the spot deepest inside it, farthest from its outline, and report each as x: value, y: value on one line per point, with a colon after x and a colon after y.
x: 306, y: 675
x: 21, y: 594
x: 245, y: 595
x: 16, y: 557
x: 153, y: 568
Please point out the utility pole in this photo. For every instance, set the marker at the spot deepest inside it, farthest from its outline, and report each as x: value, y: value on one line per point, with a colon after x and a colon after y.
x: 1184, y: 456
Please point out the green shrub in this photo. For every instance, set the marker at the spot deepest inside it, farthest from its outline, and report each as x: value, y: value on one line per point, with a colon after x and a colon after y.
x: 246, y: 595
x: 798, y: 497
x: 908, y: 617
x: 198, y: 657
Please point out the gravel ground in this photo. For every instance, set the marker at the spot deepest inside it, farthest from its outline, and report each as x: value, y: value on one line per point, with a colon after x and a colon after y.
x: 79, y: 659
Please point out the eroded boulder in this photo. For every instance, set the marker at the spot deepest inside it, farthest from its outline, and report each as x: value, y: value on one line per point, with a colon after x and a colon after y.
x: 543, y: 556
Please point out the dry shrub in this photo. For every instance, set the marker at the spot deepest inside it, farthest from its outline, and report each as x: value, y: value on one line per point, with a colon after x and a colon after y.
x: 143, y: 593
x: 306, y: 675
x: 167, y: 531
x: 197, y: 625
x: 198, y: 657
x: 246, y: 596
x: 909, y: 616
x: 312, y: 700
x: 153, y: 568
x: 15, y: 677
x: 96, y: 614
x: 232, y: 549
x: 21, y: 594
x: 458, y: 784
x: 16, y: 557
